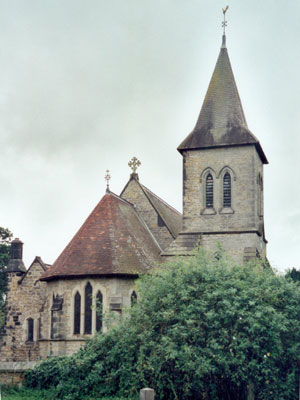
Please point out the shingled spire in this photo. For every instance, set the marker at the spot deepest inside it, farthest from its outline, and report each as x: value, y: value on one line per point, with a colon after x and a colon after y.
x: 221, y: 121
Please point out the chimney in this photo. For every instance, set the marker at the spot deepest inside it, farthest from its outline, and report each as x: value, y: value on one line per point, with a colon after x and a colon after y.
x: 15, y: 263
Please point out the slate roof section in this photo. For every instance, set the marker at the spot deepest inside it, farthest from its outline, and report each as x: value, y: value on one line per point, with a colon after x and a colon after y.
x: 171, y: 217
x: 113, y: 240
x: 221, y: 121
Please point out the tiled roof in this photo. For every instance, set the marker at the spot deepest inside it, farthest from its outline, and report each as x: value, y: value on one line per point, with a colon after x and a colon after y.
x: 113, y: 240
x: 221, y: 121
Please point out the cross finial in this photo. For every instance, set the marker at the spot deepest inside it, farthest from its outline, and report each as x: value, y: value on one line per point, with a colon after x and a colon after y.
x: 224, y: 23
x: 107, y: 178
x: 134, y: 163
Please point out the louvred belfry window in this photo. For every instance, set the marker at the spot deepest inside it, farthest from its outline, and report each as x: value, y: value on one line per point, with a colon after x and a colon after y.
x: 88, y: 308
x: 227, y: 190
x: 99, y: 311
x: 209, y: 191
x: 77, y: 306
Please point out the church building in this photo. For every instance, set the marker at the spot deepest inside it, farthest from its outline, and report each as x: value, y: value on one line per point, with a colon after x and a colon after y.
x: 52, y: 310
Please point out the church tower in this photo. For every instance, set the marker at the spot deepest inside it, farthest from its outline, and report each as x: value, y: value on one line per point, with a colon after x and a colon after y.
x: 222, y: 175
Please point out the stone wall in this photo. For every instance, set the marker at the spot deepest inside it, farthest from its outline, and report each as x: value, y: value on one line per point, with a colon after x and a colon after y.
x: 13, y: 373
x: 25, y: 298
x: 116, y: 293
x: 244, y: 166
x: 239, y: 229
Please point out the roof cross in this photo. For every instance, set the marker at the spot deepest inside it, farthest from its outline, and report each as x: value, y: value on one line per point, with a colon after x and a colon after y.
x: 107, y: 178
x: 224, y: 23
x: 134, y: 163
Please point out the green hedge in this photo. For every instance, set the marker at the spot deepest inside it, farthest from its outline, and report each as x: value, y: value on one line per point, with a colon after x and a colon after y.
x: 202, y: 329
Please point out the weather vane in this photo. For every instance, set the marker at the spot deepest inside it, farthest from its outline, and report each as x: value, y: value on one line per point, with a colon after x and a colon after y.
x: 134, y: 163
x: 107, y: 178
x: 224, y: 23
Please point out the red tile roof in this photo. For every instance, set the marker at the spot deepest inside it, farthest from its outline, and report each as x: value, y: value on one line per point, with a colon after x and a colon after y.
x: 114, y: 240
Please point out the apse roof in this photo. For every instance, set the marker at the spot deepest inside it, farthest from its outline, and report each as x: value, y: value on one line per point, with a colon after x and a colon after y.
x: 114, y: 240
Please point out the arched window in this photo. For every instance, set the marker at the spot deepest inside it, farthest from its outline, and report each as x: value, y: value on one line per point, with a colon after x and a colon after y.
x: 99, y: 311
x: 30, y: 327
x: 133, y: 298
x: 227, y: 190
x: 209, y: 191
x: 88, y: 308
x: 77, y: 307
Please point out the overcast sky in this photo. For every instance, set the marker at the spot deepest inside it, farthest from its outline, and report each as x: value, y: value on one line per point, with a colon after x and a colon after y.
x: 86, y: 85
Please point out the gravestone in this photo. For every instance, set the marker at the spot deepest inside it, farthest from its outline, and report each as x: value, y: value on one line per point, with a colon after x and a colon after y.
x: 147, y: 394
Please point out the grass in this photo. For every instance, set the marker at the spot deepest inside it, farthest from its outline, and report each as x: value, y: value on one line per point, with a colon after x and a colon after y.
x: 13, y: 393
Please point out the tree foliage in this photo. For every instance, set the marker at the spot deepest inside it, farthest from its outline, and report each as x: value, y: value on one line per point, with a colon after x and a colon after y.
x: 294, y: 274
x: 5, y: 239
x: 202, y: 329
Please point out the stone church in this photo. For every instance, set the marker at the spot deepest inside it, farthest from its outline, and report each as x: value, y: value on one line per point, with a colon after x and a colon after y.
x: 53, y: 309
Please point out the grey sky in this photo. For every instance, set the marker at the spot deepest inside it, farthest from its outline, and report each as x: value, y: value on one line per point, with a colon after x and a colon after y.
x: 85, y: 85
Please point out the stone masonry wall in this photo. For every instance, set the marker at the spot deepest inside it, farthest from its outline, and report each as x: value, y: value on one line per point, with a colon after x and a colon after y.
x: 24, y: 300
x: 116, y: 294
x: 239, y: 228
x: 244, y: 165
x: 135, y: 195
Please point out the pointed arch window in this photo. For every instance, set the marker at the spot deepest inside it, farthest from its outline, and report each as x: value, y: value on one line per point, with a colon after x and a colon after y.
x: 77, y: 309
x: 99, y: 311
x: 209, y: 192
x: 133, y: 298
x: 30, y: 329
x: 227, y: 190
x: 88, y: 293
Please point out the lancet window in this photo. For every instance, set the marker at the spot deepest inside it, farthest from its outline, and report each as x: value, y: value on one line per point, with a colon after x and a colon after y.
x: 88, y: 308
x: 77, y: 309
x: 30, y: 329
x: 99, y: 311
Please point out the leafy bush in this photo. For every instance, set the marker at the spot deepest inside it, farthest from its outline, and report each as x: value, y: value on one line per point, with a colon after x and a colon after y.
x: 202, y: 329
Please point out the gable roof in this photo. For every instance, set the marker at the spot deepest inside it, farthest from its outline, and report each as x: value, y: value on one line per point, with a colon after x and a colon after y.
x: 39, y: 261
x: 170, y: 216
x: 113, y: 240
x: 221, y: 121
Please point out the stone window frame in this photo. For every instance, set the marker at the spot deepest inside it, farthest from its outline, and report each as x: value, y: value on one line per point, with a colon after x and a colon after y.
x: 207, y: 210
x: 220, y: 176
x: 80, y: 288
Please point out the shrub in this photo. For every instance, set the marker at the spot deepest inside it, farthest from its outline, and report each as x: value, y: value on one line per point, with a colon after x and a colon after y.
x: 202, y: 329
